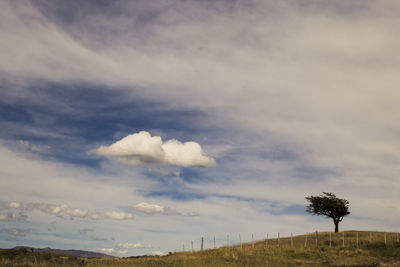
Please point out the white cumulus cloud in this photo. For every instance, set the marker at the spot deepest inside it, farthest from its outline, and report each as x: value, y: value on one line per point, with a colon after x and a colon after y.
x: 158, y: 253
x: 10, y: 216
x: 15, y: 205
x: 10, y: 205
x: 142, y: 148
x: 148, y: 208
x: 107, y: 250
x: 65, y: 209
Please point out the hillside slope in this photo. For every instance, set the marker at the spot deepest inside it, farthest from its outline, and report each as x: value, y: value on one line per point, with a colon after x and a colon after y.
x: 321, y: 249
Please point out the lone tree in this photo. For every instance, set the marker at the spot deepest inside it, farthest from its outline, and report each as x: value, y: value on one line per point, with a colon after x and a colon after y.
x: 329, y: 205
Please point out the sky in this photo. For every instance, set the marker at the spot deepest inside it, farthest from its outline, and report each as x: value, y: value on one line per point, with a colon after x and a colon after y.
x: 135, y: 127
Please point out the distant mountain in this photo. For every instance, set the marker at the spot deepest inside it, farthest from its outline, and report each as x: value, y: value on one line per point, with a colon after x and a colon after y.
x: 68, y: 252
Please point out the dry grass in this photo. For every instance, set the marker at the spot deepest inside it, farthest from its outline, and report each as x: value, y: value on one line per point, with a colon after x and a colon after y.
x: 371, y: 251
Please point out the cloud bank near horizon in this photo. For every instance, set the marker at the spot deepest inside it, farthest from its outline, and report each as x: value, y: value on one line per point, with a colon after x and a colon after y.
x: 62, y: 211
x: 142, y: 148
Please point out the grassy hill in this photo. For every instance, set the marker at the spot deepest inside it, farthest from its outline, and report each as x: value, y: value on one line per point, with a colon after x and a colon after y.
x: 322, y: 249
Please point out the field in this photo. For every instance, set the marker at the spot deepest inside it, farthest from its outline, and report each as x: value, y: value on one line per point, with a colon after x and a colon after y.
x: 322, y: 249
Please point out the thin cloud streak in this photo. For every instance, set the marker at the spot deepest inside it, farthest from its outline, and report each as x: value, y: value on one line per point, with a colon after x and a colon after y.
x: 131, y: 245
x: 16, y: 232
x: 151, y: 209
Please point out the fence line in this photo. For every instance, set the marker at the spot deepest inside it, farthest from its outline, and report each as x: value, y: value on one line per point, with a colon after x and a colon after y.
x: 324, y: 239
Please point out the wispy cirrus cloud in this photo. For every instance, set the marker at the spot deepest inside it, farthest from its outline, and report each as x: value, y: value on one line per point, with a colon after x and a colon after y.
x: 133, y: 245
x: 98, y: 238
x: 85, y: 231
x: 33, y: 147
x: 17, y: 232
x: 157, y: 209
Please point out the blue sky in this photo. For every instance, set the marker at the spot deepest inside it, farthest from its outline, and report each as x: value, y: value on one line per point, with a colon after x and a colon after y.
x: 127, y: 124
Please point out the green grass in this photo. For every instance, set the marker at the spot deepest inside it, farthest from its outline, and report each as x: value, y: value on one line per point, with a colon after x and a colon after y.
x: 371, y: 251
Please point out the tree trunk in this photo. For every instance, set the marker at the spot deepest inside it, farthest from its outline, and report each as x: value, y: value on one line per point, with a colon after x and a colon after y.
x: 336, y: 225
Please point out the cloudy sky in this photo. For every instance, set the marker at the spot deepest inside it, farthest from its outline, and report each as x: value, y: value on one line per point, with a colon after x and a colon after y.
x: 134, y: 127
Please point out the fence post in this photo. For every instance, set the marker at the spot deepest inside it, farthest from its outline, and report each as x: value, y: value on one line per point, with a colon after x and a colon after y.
x: 227, y: 240
x: 343, y: 238
x: 385, y: 238
x: 357, y: 238
x: 305, y: 242
x: 266, y: 241
x: 330, y: 239
x: 316, y: 239
x: 202, y: 244
x: 183, y: 247
x: 215, y: 245
x: 241, y: 245
x: 192, y: 246
x: 252, y: 240
x: 291, y: 240
x: 279, y: 240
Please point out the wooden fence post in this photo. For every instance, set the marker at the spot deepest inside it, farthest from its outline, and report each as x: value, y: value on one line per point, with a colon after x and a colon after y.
x: 357, y: 238
x: 305, y: 242
x: 291, y: 240
x: 227, y: 240
x: 343, y: 238
x: 192, y: 246
x: 183, y: 247
x: 279, y: 240
x: 385, y: 238
x: 316, y: 239
x: 202, y: 244
x: 330, y: 239
x: 252, y: 240
x: 215, y: 244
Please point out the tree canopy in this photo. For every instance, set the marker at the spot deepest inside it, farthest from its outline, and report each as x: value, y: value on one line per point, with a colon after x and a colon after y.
x: 329, y: 205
